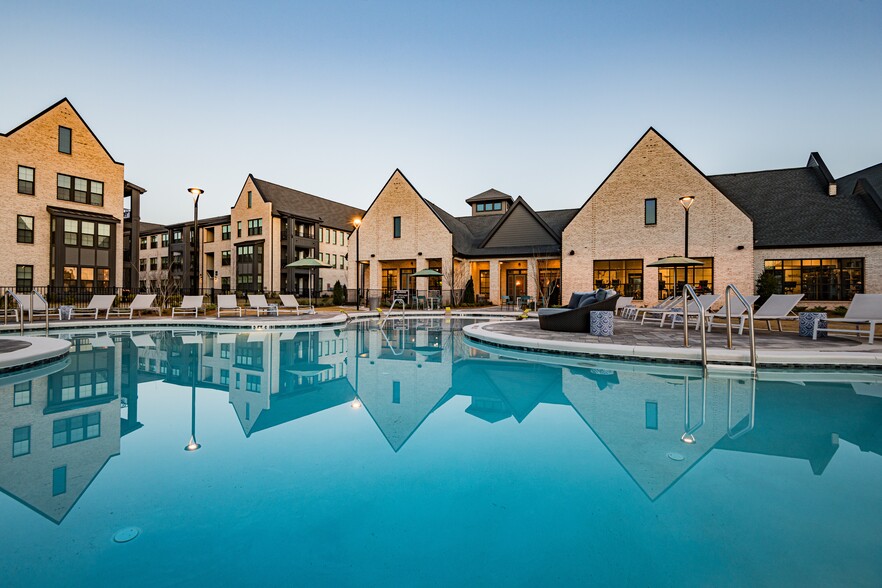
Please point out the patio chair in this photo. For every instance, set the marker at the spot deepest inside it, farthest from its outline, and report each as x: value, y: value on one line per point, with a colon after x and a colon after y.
x: 189, y: 304
x: 290, y: 304
x: 865, y: 309
x: 141, y: 302
x: 99, y: 302
x: 738, y: 310
x: 257, y: 302
x: 575, y: 320
x: 228, y: 303
x: 41, y: 307
x: 622, y: 303
x: 706, y: 300
x: 777, y: 308
x: 665, y: 304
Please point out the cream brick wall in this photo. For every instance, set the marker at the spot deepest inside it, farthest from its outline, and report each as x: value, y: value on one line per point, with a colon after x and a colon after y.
x: 272, y: 247
x: 330, y: 276
x: 217, y: 247
x: 872, y: 256
x: 36, y: 146
x: 611, y: 224
x: 421, y: 231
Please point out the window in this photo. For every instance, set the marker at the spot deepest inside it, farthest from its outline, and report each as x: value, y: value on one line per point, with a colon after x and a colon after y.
x: 670, y: 280
x: 249, y: 198
x: 154, y: 241
x: 76, y: 429
x: 163, y: 261
x: 225, y: 377
x: 226, y: 257
x: 252, y: 383
x: 59, y: 481
x: 479, y: 207
x: 81, y: 188
x: 396, y: 227
x: 143, y: 264
x: 70, y: 276
x: 165, y: 239
x: 87, y: 234
x: 652, y: 415
x: 225, y: 283
x: 225, y: 351
x: 255, y: 226
x: 334, y: 233
x: 64, y: 187
x: 103, y: 236
x: 178, y: 236
x: 71, y: 232
x: 153, y: 264
x: 225, y: 232
x: 238, y: 228
x: 64, y: 140
x: 25, y: 180
x: 21, y: 441
x: 24, y: 278
x: 334, y: 262
x: 484, y: 283
x: 96, y: 193
x: 396, y: 392
x: 625, y: 276
x: 143, y: 243
x: 649, y: 213
x: 25, y: 229
x: 497, y: 206
x: 819, y: 279
x: 21, y: 394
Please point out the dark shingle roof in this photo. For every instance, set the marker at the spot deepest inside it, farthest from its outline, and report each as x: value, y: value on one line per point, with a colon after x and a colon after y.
x: 297, y: 203
x: 491, y: 194
x: 791, y: 208
x: 147, y: 228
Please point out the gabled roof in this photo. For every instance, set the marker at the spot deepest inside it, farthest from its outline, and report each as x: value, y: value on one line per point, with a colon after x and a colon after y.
x: 491, y: 194
x: 294, y: 202
x: 82, y: 120
x: 792, y: 208
x: 520, y: 202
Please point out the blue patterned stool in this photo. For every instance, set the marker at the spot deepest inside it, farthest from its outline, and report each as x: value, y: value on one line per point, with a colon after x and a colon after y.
x: 601, y: 323
x: 807, y: 323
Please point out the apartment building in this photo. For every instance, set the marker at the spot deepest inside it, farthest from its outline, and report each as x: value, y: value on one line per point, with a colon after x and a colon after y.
x: 66, y: 196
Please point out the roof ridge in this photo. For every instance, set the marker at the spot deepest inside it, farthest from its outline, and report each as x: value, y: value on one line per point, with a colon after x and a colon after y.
x: 760, y: 171
x: 337, y: 202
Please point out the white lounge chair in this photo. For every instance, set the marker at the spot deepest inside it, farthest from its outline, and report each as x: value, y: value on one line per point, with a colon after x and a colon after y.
x: 676, y: 312
x: 662, y: 306
x: 228, y: 303
x: 289, y: 303
x: 779, y: 307
x: 41, y: 307
x: 98, y: 303
x: 140, y: 303
x: 189, y: 304
x: 257, y: 302
x: 622, y: 303
x: 865, y: 309
x: 738, y: 309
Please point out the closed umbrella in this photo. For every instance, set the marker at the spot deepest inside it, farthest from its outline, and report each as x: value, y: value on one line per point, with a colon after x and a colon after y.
x: 309, y: 263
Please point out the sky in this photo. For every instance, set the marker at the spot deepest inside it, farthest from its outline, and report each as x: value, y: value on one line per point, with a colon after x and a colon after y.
x: 537, y: 99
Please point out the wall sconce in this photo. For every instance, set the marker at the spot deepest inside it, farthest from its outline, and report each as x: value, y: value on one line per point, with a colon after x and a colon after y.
x: 419, y: 253
x: 572, y: 252
x: 373, y: 255
x: 740, y: 247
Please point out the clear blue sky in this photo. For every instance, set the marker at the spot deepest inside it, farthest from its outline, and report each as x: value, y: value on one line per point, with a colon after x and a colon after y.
x: 536, y: 99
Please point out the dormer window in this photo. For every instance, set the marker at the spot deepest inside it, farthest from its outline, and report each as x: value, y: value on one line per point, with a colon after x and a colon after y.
x: 488, y: 207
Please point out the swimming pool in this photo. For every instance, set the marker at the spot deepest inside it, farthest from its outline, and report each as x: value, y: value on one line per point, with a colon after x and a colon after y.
x: 408, y: 456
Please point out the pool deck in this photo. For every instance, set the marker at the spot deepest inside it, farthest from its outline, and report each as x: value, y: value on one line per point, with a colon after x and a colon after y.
x: 17, y: 353
x: 650, y: 342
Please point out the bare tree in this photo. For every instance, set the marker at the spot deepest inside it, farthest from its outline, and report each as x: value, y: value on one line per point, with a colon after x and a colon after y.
x: 165, y: 287
x: 456, y: 277
x: 542, y: 277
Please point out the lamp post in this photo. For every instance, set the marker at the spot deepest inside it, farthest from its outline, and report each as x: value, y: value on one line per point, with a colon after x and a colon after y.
x: 686, y: 201
x: 196, y: 193
x: 357, y: 223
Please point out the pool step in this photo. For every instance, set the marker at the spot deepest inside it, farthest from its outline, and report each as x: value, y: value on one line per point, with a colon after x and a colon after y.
x: 734, y: 369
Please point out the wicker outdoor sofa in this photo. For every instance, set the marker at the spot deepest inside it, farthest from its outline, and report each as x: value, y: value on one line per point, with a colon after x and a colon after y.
x: 576, y: 319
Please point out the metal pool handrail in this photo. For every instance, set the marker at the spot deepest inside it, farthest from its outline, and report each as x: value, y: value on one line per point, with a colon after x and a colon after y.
x: 688, y: 291
x: 729, y: 289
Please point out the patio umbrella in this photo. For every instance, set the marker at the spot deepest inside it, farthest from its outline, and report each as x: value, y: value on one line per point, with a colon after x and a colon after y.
x: 309, y: 263
x: 676, y: 261
x: 427, y: 273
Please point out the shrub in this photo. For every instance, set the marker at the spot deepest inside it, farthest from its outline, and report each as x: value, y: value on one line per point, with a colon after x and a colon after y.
x: 468, y: 296
x: 338, y: 293
x: 766, y: 285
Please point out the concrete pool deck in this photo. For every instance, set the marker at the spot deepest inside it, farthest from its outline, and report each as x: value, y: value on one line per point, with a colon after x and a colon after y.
x: 17, y: 353
x: 643, y: 342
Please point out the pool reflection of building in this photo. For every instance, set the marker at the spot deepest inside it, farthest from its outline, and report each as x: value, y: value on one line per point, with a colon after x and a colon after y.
x: 64, y: 422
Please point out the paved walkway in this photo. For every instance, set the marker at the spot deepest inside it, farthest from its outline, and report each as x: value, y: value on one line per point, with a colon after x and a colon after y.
x: 629, y: 332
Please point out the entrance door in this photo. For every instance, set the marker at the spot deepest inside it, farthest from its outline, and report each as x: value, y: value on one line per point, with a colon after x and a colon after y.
x: 515, y: 283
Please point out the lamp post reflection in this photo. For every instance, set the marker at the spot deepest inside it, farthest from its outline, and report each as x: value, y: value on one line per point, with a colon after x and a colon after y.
x: 193, y: 445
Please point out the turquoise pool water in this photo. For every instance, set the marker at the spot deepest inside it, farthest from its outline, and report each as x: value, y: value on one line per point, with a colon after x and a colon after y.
x: 406, y: 456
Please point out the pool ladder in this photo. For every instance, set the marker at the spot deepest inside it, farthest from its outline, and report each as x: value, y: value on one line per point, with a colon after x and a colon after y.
x: 689, y: 291
x: 391, y: 308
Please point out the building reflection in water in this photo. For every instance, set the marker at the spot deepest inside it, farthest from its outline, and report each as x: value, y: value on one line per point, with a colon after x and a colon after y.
x: 60, y: 424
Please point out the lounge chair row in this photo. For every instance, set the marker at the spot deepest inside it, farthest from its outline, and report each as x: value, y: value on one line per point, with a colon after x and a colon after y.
x: 103, y: 303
